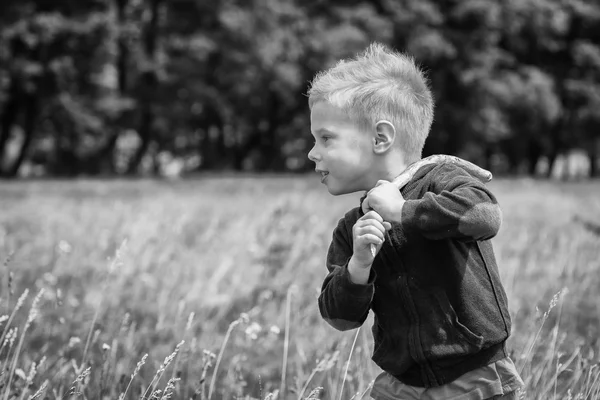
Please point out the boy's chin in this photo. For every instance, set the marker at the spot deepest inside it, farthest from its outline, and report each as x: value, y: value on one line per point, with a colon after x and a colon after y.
x: 337, y: 191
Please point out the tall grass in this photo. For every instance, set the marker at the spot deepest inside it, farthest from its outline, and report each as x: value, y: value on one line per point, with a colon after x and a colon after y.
x: 207, y: 289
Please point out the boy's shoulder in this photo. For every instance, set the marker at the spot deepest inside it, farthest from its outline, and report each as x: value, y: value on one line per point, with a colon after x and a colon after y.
x: 442, y: 175
x: 430, y: 177
x: 441, y: 170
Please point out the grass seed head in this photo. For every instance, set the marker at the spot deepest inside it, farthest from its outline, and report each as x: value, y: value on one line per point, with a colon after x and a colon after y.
x: 170, y: 388
x: 117, y: 262
x: 81, y: 377
x: 33, y: 312
x: 190, y: 321
x: 31, y: 375
x: 208, y: 355
x: 39, y: 392
x: 21, y: 374
x: 139, y: 365
x: 21, y: 299
x: 170, y: 358
x: 9, y: 340
x: 314, y: 394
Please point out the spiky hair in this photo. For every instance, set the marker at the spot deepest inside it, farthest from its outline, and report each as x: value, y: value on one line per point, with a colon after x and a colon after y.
x: 380, y: 84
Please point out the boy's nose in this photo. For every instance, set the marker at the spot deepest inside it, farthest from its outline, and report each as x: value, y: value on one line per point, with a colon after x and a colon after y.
x: 312, y: 155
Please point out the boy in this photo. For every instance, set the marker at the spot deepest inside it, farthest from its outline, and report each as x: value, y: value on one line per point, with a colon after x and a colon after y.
x: 419, y: 257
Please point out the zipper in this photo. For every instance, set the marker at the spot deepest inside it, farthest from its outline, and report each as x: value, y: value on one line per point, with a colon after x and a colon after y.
x: 414, y: 339
x: 414, y: 336
x: 413, y: 333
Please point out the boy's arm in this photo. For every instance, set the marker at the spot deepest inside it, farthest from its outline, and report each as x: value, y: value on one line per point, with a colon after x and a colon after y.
x: 459, y: 207
x: 342, y: 303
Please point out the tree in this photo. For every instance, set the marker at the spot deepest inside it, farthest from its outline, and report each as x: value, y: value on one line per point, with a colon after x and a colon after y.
x: 220, y: 84
x: 547, y: 34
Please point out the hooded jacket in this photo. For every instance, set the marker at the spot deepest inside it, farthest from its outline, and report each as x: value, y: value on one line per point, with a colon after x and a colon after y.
x: 434, y: 288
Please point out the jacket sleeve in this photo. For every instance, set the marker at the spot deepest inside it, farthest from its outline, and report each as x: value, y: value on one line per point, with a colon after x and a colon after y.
x: 342, y: 303
x: 457, y: 207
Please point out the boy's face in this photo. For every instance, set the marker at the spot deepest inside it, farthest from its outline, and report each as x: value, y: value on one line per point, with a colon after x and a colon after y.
x: 342, y: 152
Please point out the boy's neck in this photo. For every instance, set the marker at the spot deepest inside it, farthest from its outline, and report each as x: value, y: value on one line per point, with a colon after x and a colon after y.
x: 392, y: 169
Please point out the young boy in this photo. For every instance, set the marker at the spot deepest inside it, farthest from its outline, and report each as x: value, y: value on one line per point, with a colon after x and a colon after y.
x: 419, y: 257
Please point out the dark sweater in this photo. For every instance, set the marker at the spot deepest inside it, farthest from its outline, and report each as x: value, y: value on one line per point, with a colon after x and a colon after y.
x: 440, y: 308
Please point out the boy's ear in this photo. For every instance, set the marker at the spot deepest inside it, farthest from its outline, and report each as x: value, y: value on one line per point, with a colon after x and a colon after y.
x: 385, y: 135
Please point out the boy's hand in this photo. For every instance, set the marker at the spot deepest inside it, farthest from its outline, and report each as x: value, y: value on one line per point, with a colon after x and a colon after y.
x: 368, y: 230
x: 385, y: 198
x: 388, y: 202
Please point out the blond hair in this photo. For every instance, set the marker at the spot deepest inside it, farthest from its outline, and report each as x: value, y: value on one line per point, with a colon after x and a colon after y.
x: 380, y: 84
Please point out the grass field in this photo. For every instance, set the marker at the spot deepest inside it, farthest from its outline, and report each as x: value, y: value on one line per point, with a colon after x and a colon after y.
x: 223, y: 273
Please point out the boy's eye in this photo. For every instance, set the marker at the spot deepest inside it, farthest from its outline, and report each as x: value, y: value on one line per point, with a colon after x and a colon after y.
x: 326, y: 138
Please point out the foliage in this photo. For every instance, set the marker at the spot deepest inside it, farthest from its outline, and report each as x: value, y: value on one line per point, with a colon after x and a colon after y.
x: 127, y: 86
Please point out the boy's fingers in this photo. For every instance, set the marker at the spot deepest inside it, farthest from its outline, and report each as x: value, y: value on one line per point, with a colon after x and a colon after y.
x: 379, y: 224
x: 365, y: 205
x: 371, y: 239
x: 370, y: 214
x: 372, y: 230
x: 374, y: 216
x: 368, y: 220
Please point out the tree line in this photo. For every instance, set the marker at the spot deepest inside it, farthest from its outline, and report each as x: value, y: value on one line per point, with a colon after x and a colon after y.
x: 109, y: 87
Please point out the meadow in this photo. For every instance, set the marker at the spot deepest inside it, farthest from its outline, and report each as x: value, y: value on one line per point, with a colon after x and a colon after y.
x: 207, y: 289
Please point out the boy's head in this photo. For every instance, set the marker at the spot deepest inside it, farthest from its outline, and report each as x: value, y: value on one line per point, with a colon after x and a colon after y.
x: 379, y: 92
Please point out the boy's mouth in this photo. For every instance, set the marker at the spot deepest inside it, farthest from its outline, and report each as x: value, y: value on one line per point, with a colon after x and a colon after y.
x: 323, y: 174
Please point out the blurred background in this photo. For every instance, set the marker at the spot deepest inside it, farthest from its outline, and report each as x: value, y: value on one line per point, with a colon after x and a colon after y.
x: 118, y: 285
x: 169, y: 87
